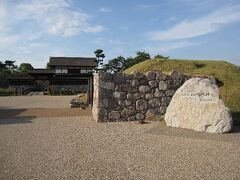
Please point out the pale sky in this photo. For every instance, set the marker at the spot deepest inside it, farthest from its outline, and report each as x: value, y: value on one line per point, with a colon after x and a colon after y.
x: 33, y: 30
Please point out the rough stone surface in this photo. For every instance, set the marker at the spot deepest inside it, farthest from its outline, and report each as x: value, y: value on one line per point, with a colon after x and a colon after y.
x: 177, y: 83
x: 165, y: 101
x: 107, y: 85
x: 134, y: 90
x: 106, y: 76
x: 159, y: 93
x: 119, y: 97
x: 170, y: 92
x: 177, y: 75
x: 161, y: 76
x: 153, y: 84
x: 135, y: 83
x: 114, y: 115
x: 138, y: 75
x: 128, y: 77
x: 76, y: 103
x: 128, y: 102
x: 107, y: 103
x: 149, y: 96
x: 143, y: 81
x: 140, y: 116
x: 144, y: 89
x: 154, y: 102
x: 131, y: 118
x: 102, y: 112
x: 118, y: 78
x: 133, y: 96
x: 124, y: 112
x: 162, y: 85
x: 150, y: 114
x: 151, y: 75
x: 125, y: 87
x: 141, y: 105
x: 121, y: 103
x: 162, y: 110
x: 196, y: 105
x: 127, y: 112
x: 105, y: 93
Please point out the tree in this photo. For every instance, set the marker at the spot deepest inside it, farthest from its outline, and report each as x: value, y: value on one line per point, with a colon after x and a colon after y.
x: 10, y: 64
x: 25, y: 67
x: 100, y: 56
x: 142, y: 56
x: 107, y: 68
x: 158, y: 56
x: 4, y: 71
x: 120, y: 63
x: 48, y: 66
x: 114, y: 65
x: 130, y: 61
x: 2, y: 65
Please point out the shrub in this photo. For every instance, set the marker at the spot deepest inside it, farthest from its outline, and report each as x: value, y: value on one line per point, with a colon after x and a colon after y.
x: 6, y: 92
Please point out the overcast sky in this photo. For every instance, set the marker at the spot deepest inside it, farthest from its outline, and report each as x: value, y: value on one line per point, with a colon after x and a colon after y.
x: 33, y: 30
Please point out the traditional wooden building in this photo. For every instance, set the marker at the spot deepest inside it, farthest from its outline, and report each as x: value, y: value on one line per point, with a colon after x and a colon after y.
x: 65, y: 74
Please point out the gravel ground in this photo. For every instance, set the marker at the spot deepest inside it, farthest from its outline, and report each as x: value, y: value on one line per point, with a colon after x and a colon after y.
x: 79, y: 148
x: 24, y: 102
x: 29, y: 107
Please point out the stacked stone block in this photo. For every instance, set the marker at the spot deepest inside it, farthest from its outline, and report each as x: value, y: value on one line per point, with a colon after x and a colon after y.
x: 122, y: 97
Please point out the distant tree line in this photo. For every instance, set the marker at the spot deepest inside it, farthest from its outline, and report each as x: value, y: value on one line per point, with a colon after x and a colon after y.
x: 120, y: 63
x: 9, y: 69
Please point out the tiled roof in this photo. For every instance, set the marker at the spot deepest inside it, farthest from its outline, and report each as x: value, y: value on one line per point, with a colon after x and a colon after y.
x: 72, y: 61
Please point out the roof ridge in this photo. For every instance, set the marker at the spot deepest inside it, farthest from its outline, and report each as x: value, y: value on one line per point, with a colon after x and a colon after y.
x: 72, y: 57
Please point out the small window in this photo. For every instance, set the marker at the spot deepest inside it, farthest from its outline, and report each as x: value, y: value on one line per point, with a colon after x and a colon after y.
x: 83, y: 70
x: 89, y: 70
x: 58, y: 70
x: 64, y: 70
x: 61, y: 70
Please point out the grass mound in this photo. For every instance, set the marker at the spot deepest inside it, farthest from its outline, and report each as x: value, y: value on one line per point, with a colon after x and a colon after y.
x: 226, y: 73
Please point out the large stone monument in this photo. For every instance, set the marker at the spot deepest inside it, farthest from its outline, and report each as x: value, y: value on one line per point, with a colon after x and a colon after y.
x: 196, y: 105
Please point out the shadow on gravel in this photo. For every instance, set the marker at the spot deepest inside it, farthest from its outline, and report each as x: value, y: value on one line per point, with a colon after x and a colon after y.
x: 236, y: 129
x: 161, y: 129
x: 10, y: 113
x: 21, y: 120
x: 236, y: 118
x: 13, y: 116
x: 32, y: 113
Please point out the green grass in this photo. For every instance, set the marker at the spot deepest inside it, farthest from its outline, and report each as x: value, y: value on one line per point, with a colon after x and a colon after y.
x: 225, y: 72
x: 6, y: 92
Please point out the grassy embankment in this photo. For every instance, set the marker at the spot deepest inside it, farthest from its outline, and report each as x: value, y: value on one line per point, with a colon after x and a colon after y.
x: 225, y: 72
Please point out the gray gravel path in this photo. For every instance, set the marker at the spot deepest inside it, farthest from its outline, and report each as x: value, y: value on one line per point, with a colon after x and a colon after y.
x: 20, y: 102
x: 79, y: 148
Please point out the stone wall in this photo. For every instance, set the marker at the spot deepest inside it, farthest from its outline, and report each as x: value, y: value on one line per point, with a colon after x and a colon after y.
x: 121, y: 97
